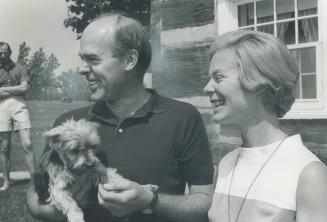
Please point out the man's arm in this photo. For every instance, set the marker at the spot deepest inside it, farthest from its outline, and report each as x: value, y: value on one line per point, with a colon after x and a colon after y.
x: 4, y: 94
x: 16, y: 90
x: 311, y: 197
x: 44, y: 212
x: 127, y: 197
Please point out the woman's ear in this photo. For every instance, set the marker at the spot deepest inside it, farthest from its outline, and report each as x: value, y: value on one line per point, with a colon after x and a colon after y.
x: 131, y: 59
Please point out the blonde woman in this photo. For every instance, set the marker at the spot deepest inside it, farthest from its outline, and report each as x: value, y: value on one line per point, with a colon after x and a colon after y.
x: 272, y: 176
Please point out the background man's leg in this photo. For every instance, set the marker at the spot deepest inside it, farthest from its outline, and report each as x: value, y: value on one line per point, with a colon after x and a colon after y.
x: 5, y: 148
x: 25, y: 137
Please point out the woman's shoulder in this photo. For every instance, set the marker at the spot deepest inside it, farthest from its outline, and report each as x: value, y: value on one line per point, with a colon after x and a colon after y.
x: 229, y: 159
x: 295, y: 148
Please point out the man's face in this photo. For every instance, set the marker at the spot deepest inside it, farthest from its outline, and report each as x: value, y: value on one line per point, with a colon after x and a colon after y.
x: 105, y: 73
x: 4, y: 54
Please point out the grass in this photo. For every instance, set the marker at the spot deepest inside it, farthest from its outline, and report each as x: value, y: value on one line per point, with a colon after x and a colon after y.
x: 43, y: 114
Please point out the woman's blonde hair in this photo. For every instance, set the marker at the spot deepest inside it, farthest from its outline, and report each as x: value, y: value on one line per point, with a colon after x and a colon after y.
x: 267, y: 67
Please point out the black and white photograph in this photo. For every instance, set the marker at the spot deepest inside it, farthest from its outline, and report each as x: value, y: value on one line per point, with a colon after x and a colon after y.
x: 163, y: 111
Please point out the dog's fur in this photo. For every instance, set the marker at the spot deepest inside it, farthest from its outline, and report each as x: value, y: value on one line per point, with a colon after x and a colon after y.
x: 72, y: 149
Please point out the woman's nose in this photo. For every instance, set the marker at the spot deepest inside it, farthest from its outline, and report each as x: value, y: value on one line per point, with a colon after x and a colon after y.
x: 209, y: 89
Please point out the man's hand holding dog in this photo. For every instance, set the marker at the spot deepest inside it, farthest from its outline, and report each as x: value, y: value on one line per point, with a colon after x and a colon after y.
x: 125, y: 197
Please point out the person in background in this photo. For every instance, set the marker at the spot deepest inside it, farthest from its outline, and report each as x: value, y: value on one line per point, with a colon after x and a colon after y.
x: 272, y: 176
x: 14, y: 115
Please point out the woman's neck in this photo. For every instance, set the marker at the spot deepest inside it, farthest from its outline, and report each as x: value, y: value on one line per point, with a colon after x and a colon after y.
x: 261, y: 131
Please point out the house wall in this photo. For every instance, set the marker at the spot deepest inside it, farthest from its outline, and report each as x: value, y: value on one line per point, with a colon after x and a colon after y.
x: 181, y: 32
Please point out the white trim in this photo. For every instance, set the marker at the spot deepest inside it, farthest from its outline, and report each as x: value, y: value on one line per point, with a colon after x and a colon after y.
x: 188, y: 34
x: 306, y: 115
x: 226, y: 9
x: 322, y: 23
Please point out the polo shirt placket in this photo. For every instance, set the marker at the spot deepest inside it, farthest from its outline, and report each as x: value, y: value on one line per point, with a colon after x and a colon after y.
x: 121, y: 129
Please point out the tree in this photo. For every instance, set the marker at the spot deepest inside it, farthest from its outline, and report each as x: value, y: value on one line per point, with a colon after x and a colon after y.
x: 23, y: 54
x: 81, y: 12
x: 41, y: 71
x: 73, y: 85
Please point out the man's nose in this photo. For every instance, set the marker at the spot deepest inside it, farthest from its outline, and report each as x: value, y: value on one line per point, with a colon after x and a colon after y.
x: 84, y: 69
x: 209, y: 89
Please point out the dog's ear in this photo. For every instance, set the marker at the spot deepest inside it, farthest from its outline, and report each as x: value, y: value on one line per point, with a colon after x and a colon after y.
x: 55, y: 144
x: 53, y: 136
x: 56, y: 131
x: 41, y: 184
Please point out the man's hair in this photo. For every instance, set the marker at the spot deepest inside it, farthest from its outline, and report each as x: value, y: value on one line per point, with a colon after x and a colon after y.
x: 8, y: 46
x: 130, y: 34
x: 266, y: 67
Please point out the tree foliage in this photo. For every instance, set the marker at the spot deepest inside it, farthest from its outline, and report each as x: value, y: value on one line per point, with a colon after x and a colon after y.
x: 41, y: 71
x: 40, y: 68
x: 81, y: 12
x: 73, y: 85
x: 23, y: 54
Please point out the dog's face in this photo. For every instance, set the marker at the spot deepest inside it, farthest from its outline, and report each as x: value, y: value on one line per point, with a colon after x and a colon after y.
x: 73, y: 144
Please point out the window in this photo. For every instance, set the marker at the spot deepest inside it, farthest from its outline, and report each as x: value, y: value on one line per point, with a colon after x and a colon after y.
x: 295, y: 22
x: 300, y: 25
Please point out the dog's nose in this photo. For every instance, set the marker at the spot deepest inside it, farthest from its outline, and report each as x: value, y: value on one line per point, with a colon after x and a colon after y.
x: 89, y: 162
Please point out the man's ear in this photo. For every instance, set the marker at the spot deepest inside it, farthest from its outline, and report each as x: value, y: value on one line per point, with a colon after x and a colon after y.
x: 131, y: 59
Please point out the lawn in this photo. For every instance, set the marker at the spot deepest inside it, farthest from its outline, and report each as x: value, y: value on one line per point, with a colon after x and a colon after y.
x: 43, y: 114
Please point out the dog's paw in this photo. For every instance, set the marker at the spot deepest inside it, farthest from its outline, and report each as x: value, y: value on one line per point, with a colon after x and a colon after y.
x: 41, y: 185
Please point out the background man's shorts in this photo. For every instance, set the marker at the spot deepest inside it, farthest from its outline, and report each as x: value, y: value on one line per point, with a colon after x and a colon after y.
x: 13, y: 115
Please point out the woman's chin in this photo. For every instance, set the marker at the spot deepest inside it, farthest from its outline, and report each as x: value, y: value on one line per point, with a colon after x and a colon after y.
x: 218, y: 119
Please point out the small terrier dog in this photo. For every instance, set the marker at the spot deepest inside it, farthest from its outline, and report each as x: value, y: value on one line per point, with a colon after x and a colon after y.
x: 72, y: 151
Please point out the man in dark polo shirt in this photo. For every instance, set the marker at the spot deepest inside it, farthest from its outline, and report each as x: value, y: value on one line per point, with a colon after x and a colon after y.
x: 150, y: 139
x: 14, y: 115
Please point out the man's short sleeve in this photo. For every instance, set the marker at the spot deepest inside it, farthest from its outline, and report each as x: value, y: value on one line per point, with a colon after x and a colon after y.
x: 194, y: 156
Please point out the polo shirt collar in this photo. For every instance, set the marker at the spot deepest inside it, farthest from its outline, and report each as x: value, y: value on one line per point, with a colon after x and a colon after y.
x: 153, y: 105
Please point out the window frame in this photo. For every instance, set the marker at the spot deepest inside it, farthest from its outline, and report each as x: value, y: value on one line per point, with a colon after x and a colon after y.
x: 227, y: 20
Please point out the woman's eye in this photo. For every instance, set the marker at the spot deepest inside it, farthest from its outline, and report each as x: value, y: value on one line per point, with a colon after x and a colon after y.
x: 217, y: 79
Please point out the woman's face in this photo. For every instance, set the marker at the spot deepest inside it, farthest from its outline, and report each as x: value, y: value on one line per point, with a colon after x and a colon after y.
x: 231, y: 103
